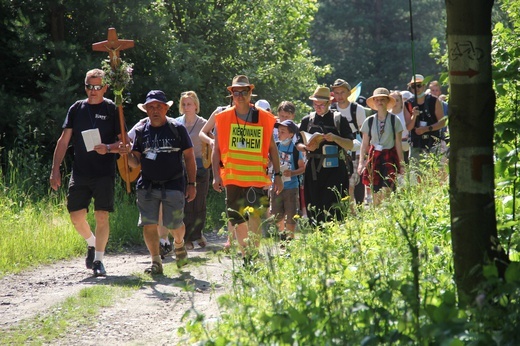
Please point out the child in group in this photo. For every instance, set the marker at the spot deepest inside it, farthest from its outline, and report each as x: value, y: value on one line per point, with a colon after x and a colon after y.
x: 285, y: 205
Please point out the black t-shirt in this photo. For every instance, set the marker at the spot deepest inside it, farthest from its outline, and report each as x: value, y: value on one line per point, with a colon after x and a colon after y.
x: 84, y: 116
x: 162, y: 155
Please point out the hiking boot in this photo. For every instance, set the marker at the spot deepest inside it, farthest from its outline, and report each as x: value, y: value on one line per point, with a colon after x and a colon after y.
x: 181, y: 255
x: 91, y: 252
x: 155, y: 269
x: 99, y: 269
x: 165, y: 249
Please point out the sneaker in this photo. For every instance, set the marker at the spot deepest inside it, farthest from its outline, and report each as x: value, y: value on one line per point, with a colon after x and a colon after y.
x: 91, y: 252
x: 181, y: 255
x: 165, y: 249
x: 99, y: 269
x: 155, y: 269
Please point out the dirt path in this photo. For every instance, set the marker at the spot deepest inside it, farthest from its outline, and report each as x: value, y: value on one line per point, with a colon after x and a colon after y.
x: 149, y: 316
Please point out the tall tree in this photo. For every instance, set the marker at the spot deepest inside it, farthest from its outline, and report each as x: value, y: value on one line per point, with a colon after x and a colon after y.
x: 369, y: 40
x: 179, y: 45
x: 472, y: 114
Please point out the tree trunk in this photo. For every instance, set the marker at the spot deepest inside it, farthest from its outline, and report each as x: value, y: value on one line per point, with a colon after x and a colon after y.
x: 471, y: 124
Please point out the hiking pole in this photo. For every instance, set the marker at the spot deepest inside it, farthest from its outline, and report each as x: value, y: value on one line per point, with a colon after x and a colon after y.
x: 413, y: 48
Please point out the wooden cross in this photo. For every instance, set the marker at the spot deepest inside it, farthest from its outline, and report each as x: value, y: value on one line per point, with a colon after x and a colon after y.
x: 113, y: 46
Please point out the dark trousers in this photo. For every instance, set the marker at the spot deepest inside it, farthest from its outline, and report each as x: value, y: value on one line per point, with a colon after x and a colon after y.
x: 195, y: 211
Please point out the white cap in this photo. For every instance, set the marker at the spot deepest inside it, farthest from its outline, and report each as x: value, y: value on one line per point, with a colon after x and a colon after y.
x: 263, y: 104
x: 406, y: 95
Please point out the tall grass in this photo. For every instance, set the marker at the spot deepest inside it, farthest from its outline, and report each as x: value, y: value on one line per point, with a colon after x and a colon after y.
x: 33, y: 233
x: 35, y: 227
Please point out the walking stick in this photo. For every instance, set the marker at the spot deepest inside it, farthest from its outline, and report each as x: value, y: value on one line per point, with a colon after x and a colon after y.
x: 413, y: 48
x: 113, y: 46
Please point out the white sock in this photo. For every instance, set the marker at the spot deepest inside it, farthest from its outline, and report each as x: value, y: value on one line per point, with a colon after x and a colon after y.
x: 92, y: 240
x: 99, y: 256
x: 164, y: 241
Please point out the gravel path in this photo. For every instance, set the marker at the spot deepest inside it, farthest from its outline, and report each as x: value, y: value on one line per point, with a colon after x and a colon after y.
x: 149, y: 316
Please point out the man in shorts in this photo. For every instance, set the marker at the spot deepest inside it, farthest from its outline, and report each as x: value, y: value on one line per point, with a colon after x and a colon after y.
x: 94, y: 169
x: 244, y: 144
x: 161, y: 145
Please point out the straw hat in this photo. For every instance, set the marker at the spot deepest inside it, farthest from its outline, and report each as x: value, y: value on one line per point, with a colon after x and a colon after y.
x: 321, y: 94
x: 239, y: 82
x: 154, y: 96
x: 418, y: 79
x: 381, y: 92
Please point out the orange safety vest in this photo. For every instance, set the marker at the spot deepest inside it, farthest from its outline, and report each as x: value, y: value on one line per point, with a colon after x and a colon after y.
x: 244, y: 148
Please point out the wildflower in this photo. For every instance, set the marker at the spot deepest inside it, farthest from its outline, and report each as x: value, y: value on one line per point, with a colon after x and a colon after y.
x: 249, y: 210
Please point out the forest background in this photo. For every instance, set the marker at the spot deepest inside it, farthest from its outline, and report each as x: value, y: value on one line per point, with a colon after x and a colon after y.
x: 286, y: 48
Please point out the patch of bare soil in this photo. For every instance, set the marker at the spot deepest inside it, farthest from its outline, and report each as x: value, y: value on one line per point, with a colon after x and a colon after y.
x: 149, y: 316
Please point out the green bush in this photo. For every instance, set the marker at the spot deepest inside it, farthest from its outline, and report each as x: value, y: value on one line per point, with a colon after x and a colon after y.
x: 383, y: 276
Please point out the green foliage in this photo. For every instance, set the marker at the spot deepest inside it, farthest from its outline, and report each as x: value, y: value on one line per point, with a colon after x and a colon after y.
x: 187, y: 45
x: 370, y: 41
x: 354, y: 283
x: 43, y: 224
x: 506, y: 65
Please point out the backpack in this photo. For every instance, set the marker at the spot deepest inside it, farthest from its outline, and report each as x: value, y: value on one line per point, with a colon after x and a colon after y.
x: 353, y: 114
x: 371, y: 121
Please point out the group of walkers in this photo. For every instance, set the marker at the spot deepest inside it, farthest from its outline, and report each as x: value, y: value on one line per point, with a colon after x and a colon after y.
x: 262, y: 162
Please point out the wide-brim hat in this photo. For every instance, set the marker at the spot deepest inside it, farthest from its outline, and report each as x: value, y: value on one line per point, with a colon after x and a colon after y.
x: 155, y: 96
x: 340, y: 83
x: 240, y: 81
x: 416, y: 79
x: 293, y: 128
x: 321, y: 93
x: 381, y: 92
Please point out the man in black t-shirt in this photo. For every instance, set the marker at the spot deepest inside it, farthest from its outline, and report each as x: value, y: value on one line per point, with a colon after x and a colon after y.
x: 161, y: 145
x: 94, y: 166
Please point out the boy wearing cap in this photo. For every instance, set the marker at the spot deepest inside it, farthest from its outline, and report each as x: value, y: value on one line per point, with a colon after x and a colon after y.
x: 161, y: 145
x: 284, y: 206
x: 93, y: 172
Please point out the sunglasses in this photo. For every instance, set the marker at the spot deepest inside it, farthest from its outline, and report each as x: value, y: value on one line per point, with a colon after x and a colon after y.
x: 94, y: 87
x: 241, y: 93
x: 320, y: 105
x: 416, y: 85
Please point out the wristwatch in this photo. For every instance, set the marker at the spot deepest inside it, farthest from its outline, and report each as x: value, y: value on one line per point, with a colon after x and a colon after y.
x: 430, y: 128
x: 194, y: 184
x: 277, y: 174
x: 108, y: 148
